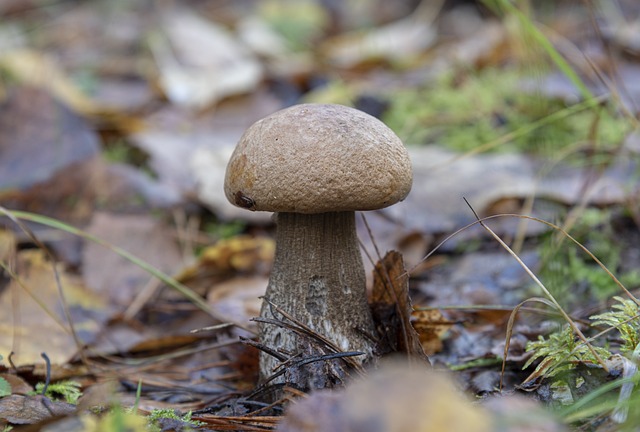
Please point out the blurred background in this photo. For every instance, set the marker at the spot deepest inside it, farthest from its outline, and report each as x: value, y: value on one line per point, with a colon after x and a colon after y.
x: 118, y: 118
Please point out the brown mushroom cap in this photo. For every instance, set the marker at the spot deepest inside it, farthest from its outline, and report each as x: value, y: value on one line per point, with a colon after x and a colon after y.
x: 316, y: 158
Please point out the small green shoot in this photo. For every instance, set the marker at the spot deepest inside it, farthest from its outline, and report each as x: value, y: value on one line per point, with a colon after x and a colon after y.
x: 625, y: 317
x: 138, y: 395
x: 5, y: 387
x: 560, y: 352
x: 477, y: 363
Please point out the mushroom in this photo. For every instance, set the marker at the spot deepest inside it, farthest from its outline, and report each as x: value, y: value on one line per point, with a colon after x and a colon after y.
x: 315, y: 165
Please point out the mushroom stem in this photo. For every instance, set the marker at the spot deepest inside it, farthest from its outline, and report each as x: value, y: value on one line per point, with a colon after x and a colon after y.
x: 319, y: 279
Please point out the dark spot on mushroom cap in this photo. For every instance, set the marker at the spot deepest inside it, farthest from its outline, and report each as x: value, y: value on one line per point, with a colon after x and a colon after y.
x: 244, y: 201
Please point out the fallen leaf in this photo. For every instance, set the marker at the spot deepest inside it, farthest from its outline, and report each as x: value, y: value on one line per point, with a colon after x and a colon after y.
x: 430, y: 325
x: 32, y: 320
x: 75, y: 193
x: 238, y: 298
x: 37, y: 69
x: 241, y: 253
x: 443, y: 178
x: 399, y: 40
x: 391, y: 308
x: 17, y: 384
x: 396, y: 398
x: 255, y: 33
x: 115, y: 277
x: 194, y: 80
x: 39, y: 137
x: 18, y: 409
x: 516, y: 413
x: 189, y: 155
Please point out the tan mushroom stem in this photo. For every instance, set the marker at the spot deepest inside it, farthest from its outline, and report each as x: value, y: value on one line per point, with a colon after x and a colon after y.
x: 319, y: 279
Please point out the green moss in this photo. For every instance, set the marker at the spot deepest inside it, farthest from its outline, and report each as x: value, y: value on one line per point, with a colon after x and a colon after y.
x: 224, y: 230
x: 464, y: 112
x: 157, y: 415
x: 560, y: 352
x: 624, y: 316
x: 299, y: 22
x: 570, y: 274
x: 69, y: 391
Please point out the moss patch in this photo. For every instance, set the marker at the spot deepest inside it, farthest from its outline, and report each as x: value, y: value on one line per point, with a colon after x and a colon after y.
x: 465, y: 111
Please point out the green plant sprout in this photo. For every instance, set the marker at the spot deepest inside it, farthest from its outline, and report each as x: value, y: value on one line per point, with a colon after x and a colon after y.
x: 5, y: 387
x: 560, y: 352
x: 625, y: 317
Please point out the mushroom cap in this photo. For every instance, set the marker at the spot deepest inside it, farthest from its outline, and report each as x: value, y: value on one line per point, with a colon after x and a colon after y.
x: 317, y: 158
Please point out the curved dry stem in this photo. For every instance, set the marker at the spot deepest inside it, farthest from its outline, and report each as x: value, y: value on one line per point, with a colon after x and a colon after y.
x: 182, y: 289
x: 54, y: 265
x: 549, y: 224
x: 556, y: 305
x: 512, y: 318
x: 565, y: 315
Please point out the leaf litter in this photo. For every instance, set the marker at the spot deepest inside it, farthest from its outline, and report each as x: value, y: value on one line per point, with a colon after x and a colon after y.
x: 159, y: 97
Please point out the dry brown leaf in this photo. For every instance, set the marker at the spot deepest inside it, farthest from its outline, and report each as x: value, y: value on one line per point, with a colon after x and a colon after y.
x: 115, y: 277
x: 18, y: 409
x: 240, y: 254
x: 431, y: 325
x: 39, y: 137
x: 167, y: 343
x: 194, y: 80
x: 37, y: 69
x: 31, y: 317
x: 18, y: 385
x: 238, y: 298
x: 399, y: 40
x: 391, y: 307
